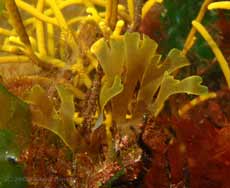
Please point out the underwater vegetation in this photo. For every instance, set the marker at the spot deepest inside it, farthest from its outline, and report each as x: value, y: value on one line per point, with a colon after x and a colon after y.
x: 102, y: 93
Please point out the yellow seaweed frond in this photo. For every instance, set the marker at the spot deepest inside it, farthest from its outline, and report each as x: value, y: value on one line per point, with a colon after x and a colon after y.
x: 219, y: 56
x: 219, y: 5
x: 130, y: 59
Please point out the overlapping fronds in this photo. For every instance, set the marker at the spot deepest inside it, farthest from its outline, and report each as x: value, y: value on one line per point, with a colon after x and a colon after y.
x: 138, y: 63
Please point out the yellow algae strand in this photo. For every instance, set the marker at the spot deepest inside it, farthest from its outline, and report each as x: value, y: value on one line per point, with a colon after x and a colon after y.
x: 63, y: 24
x: 94, y: 13
x: 51, y: 61
x: 117, y: 31
x: 79, y: 19
x: 219, y: 56
x: 62, y: 5
x: 13, y: 59
x: 33, y: 11
x: 122, y: 12
x: 148, y: 5
x: 195, y: 102
x: 131, y: 8
x: 190, y: 38
x: 40, y: 30
x: 57, y: 12
x: 50, y: 40
x: 6, y: 32
x: 219, y: 5
x: 111, y: 13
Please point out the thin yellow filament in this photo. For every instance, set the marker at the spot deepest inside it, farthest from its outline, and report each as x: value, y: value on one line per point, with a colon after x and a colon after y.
x: 92, y: 59
x: 62, y: 22
x: 64, y: 4
x: 195, y: 102
x: 219, y: 5
x: 11, y: 49
x: 16, y: 40
x: 28, y: 21
x: 117, y: 31
x: 123, y: 14
x: 57, y: 12
x: 93, y: 11
x: 51, y: 60
x: 219, y: 56
x: 14, y: 59
x: 40, y: 30
x: 50, y: 40
x: 33, y: 11
x: 6, y: 32
x: 79, y: 19
x: 111, y: 13
x: 131, y: 7
x: 148, y: 5
x: 190, y: 37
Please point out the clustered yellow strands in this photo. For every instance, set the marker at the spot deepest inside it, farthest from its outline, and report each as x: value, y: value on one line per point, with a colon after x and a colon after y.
x: 46, y: 19
x: 219, y: 56
x: 191, y: 36
x: 197, y: 26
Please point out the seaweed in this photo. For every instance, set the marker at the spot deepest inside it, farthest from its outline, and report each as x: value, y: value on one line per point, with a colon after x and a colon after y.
x: 90, y: 85
x: 138, y: 62
x: 58, y: 121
